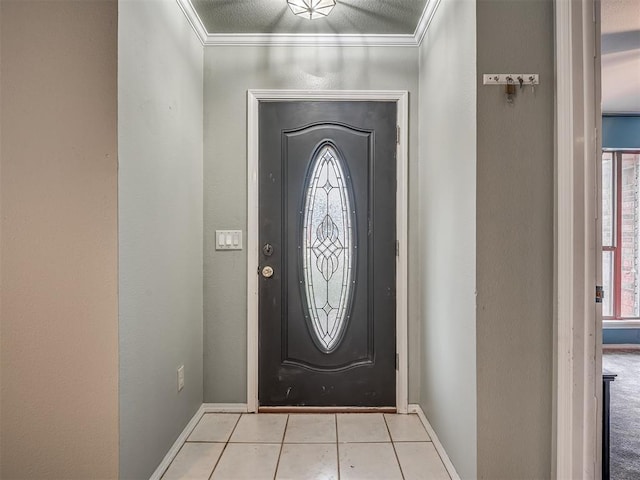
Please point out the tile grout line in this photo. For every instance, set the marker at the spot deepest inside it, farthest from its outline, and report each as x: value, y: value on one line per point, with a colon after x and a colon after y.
x: 366, y: 443
x: 174, y: 458
x: 439, y: 456
x: 417, y: 410
x: 226, y: 444
x: 282, y: 444
x: 218, y: 460
x: 284, y: 433
x: 304, y: 443
x: 199, y: 442
x: 233, y: 430
x: 393, y: 445
x: 414, y: 441
x: 430, y: 440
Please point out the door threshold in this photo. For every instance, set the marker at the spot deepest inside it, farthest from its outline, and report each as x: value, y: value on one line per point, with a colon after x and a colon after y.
x: 306, y: 409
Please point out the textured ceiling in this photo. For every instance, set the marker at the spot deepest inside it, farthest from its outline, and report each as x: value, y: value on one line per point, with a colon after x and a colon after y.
x: 274, y: 16
x: 621, y: 56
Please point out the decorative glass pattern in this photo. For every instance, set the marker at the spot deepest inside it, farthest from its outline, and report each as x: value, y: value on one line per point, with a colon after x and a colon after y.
x: 328, y: 258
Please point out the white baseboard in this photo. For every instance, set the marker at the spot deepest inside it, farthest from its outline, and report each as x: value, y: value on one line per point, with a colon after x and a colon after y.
x: 451, y: 470
x: 177, y: 445
x: 621, y: 346
x: 620, y: 324
x: 225, y: 407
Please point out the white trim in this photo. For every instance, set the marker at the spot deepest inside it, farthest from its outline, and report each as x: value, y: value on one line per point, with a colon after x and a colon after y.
x: 292, y: 39
x: 451, y: 470
x: 177, y: 445
x: 425, y: 20
x: 621, y: 346
x: 620, y: 324
x: 328, y: 95
x: 577, y: 388
x: 564, y: 249
x: 252, y: 252
x: 402, y: 259
x: 224, y: 408
x: 194, y: 19
x: 302, y: 40
x: 254, y: 97
x: 182, y: 438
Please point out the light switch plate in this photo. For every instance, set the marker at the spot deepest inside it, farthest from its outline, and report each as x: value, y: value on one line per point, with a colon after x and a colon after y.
x: 228, y: 239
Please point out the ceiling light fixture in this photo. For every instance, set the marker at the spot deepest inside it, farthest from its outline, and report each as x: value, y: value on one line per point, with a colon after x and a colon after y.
x: 311, y: 9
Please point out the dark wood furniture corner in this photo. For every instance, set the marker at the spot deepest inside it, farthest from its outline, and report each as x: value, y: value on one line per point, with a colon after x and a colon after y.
x: 607, y: 378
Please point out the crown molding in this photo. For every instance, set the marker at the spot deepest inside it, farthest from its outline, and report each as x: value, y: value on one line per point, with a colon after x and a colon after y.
x: 334, y: 40
x: 425, y: 20
x: 194, y: 19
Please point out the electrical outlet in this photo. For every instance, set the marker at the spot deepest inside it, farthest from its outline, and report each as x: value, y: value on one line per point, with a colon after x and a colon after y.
x: 180, y: 377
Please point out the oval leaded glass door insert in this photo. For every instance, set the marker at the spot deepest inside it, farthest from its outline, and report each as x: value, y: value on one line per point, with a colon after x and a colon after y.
x: 328, y: 259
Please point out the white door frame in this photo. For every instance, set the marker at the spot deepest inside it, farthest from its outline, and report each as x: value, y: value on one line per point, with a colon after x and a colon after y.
x: 578, y: 356
x: 254, y: 97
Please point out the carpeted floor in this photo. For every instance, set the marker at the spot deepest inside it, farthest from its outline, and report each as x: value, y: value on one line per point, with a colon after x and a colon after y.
x: 625, y: 413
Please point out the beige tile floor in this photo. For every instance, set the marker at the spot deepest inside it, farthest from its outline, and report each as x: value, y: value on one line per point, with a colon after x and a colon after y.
x: 350, y: 446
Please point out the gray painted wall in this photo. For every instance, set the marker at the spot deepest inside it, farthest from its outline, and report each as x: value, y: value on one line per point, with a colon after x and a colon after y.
x: 515, y: 243
x: 448, y: 230
x: 229, y: 73
x: 160, y: 91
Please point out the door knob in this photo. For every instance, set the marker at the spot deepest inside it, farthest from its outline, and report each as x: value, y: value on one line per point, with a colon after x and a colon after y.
x: 267, y: 272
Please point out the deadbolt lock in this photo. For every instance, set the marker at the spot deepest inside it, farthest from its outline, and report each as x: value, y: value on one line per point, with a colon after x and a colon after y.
x: 267, y: 272
x: 267, y: 249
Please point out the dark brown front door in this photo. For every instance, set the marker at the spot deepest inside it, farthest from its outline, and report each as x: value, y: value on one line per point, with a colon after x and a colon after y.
x: 327, y: 288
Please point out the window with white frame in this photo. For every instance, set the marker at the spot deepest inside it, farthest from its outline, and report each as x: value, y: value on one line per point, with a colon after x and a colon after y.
x: 621, y: 235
